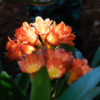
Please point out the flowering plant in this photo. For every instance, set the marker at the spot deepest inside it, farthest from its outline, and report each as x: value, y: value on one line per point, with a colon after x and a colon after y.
x: 48, y: 60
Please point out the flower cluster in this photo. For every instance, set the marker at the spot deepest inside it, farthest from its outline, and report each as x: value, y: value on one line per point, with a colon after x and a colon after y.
x: 32, y: 48
x: 27, y: 38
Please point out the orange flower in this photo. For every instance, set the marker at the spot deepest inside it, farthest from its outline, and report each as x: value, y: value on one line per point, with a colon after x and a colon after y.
x: 27, y: 40
x: 58, y: 62
x: 27, y: 48
x: 52, y: 38
x: 14, y: 52
x: 60, y: 34
x: 32, y: 63
x: 42, y: 26
x: 79, y: 68
x: 55, y: 68
x: 26, y: 33
x: 16, y: 49
x: 52, y: 33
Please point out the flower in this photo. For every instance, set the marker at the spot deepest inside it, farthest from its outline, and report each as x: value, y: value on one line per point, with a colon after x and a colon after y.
x: 42, y: 26
x: 53, y: 34
x: 26, y: 39
x: 26, y: 33
x: 58, y: 62
x: 16, y: 49
x: 55, y: 68
x: 52, y: 38
x: 32, y: 43
x: 78, y: 69
x: 60, y: 34
x: 37, y: 45
x: 32, y: 63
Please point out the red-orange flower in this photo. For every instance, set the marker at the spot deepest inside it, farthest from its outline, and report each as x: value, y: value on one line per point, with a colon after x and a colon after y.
x: 58, y: 62
x: 55, y: 68
x: 13, y: 51
x: 79, y: 68
x: 26, y: 47
x: 52, y: 38
x: 16, y: 49
x: 32, y: 63
x: 53, y: 34
x: 26, y: 33
x: 60, y: 34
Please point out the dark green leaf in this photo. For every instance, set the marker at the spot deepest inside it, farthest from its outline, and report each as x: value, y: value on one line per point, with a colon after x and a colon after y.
x: 79, y: 89
x: 8, y: 90
x: 41, y: 86
x: 22, y: 81
x: 4, y: 74
x: 96, y: 58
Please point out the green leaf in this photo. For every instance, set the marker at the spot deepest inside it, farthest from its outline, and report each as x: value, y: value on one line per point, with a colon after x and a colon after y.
x: 8, y: 90
x: 96, y: 58
x: 79, y: 89
x: 41, y: 86
x: 4, y: 74
x: 22, y: 81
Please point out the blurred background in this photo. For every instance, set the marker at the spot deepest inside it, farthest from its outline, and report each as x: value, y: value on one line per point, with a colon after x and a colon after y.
x: 82, y: 15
